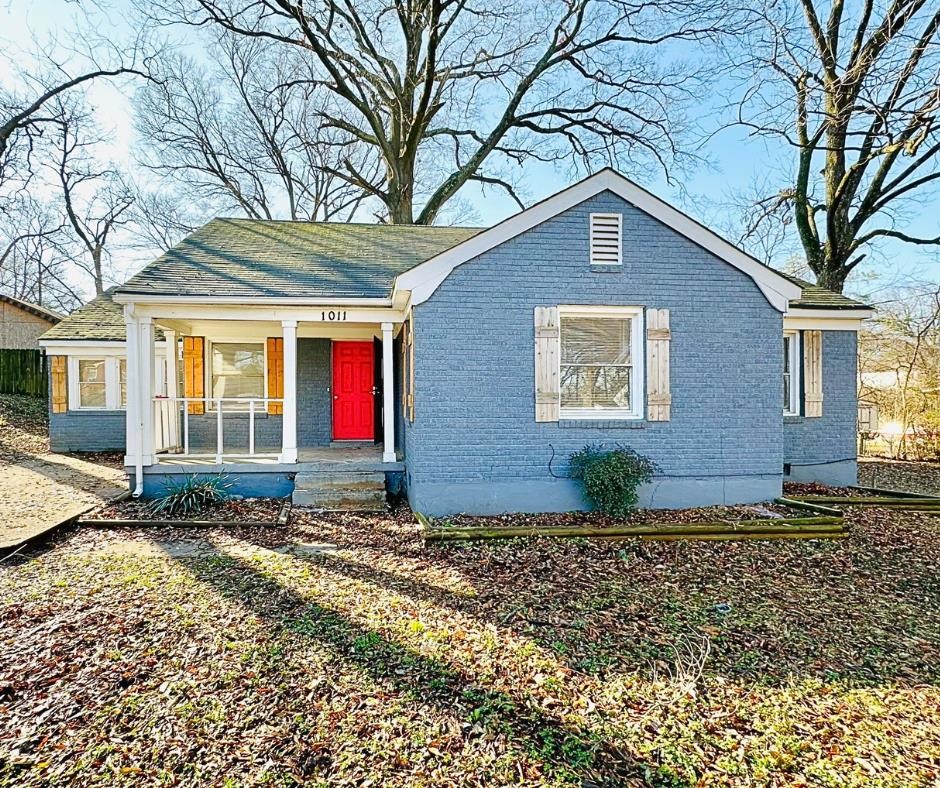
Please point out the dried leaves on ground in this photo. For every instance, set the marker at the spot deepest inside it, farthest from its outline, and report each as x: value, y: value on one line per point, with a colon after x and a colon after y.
x: 342, y: 651
x: 24, y: 426
x: 235, y: 510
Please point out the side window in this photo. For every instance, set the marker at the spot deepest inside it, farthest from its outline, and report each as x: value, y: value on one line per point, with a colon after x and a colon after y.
x: 601, y: 364
x: 92, y: 385
x: 791, y: 373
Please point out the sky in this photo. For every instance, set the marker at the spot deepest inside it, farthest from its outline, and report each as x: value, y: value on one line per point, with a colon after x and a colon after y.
x: 734, y: 160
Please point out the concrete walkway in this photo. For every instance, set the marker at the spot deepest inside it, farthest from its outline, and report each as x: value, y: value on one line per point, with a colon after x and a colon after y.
x: 39, y: 492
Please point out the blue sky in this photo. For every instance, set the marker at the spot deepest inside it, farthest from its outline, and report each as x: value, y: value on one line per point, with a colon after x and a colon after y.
x: 735, y: 160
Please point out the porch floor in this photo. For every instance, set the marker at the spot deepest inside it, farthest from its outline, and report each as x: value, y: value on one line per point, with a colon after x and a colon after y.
x: 335, y: 459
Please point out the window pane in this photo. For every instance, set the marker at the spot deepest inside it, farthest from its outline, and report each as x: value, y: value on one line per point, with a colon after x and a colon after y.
x: 595, y: 340
x: 786, y: 354
x: 91, y: 395
x: 237, y: 370
x: 595, y: 387
x: 91, y: 383
x: 786, y: 392
x: 122, y: 377
x: 91, y: 371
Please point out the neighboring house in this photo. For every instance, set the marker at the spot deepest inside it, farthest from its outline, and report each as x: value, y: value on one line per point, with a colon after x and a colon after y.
x: 466, y: 364
x: 22, y: 323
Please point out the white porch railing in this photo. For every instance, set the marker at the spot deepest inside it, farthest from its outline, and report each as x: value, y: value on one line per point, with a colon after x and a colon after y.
x: 172, y: 425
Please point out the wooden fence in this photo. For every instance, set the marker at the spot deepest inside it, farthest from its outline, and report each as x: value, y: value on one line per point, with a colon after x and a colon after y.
x: 23, y: 372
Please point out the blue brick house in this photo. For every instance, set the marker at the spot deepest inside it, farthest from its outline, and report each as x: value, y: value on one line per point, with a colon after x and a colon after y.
x: 463, y: 366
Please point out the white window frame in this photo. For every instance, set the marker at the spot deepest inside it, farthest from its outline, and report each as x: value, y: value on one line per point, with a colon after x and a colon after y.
x: 619, y: 219
x: 112, y: 385
x: 637, y: 356
x: 207, y: 372
x: 792, y: 408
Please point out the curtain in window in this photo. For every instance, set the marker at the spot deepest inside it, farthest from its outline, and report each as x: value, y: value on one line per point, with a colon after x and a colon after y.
x: 596, y: 365
x: 91, y: 383
x: 238, y: 370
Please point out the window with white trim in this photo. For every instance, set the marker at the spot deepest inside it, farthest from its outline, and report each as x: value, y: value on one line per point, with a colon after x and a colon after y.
x: 791, y: 373
x: 122, y: 381
x: 601, y: 362
x: 606, y: 238
x: 237, y: 371
x: 92, y: 383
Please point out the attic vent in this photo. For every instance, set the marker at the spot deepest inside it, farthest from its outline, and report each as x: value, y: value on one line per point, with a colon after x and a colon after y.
x: 606, y: 238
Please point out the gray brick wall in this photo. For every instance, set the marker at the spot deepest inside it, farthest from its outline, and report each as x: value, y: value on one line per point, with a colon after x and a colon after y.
x: 474, y: 365
x: 87, y: 431
x: 314, y: 406
x: 823, y: 449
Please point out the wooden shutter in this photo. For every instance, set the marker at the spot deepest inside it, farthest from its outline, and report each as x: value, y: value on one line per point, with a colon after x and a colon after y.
x: 547, y: 349
x: 408, y: 370
x: 658, y: 338
x: 58, y: 366
x: 812, y: 374
x: 194, y: 375
x: 276, y: 374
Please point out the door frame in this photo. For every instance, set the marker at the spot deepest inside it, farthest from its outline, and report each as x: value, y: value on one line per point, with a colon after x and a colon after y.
x: 333, y: 397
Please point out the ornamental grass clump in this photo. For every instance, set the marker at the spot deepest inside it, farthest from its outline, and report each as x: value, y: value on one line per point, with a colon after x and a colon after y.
x: 192, y: 495
x: 612, y: 477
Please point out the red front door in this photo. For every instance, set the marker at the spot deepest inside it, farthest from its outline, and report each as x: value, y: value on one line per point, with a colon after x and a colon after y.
x: 353, y: 391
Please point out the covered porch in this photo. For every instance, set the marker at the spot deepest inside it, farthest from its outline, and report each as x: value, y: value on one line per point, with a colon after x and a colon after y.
x: 263, y: 389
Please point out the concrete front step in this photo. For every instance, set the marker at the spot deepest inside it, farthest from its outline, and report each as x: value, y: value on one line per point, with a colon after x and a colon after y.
x: 340, y: 491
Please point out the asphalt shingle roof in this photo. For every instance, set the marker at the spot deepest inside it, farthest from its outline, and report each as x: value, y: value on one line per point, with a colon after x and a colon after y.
x: 100, y: 320
x: 35, y: 309
x: 816, y: 297
x: 246, y: 258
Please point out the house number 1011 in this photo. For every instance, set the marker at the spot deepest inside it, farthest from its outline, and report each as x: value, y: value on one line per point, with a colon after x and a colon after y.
x: 333, y: 315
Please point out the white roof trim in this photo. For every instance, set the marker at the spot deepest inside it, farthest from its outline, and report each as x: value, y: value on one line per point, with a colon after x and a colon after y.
x: 65, y: 347
x: 293, y: 301
x: 424, y: 279
x: 826, y: 319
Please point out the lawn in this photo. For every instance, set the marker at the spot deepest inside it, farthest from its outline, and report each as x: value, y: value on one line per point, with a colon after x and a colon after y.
x: 174, y: 657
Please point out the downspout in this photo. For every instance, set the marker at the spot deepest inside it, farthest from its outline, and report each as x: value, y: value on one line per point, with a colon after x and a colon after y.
x: 138, y: 411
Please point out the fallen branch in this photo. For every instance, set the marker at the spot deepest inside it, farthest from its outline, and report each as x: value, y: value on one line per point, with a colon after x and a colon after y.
x: 732, y: 537
x: 796, y: 503
x: 766, y: 526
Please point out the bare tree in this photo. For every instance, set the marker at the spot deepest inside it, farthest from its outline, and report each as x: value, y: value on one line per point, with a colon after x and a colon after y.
x: 95, y: 197
x: 899, y: 362
x: 854, y: 89
x: 33, y: 264
x: 162, y: 217
x: 462, y: 89
x: 32, y: 101
x: 247, y: 134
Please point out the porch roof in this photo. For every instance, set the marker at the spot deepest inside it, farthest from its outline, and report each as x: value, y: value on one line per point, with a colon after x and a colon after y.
x: 250, y: 258
x: 100, y: 320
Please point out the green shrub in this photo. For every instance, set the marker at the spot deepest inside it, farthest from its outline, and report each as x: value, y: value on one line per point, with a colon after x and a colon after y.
x: 192, y: 495
x: 611, y: 477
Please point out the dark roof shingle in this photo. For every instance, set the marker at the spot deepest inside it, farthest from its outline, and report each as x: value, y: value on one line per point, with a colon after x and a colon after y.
x: 99, y: 320
x: 250, y: 258
x: 816, y: 297
x: 34, y: 309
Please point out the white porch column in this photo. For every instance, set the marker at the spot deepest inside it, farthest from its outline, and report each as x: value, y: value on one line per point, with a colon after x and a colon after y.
x: 289, y: 417
x: 133, y: 420
x: 145, y: 371
x: 388, y: 395
x: 172, y: 387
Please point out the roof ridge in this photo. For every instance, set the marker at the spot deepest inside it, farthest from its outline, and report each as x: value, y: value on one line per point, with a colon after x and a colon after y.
x: 319, y: 223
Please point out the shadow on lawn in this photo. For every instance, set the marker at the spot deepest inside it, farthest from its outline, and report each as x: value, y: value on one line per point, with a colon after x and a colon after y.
x: 863, y: 610
x: 546, y: 740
